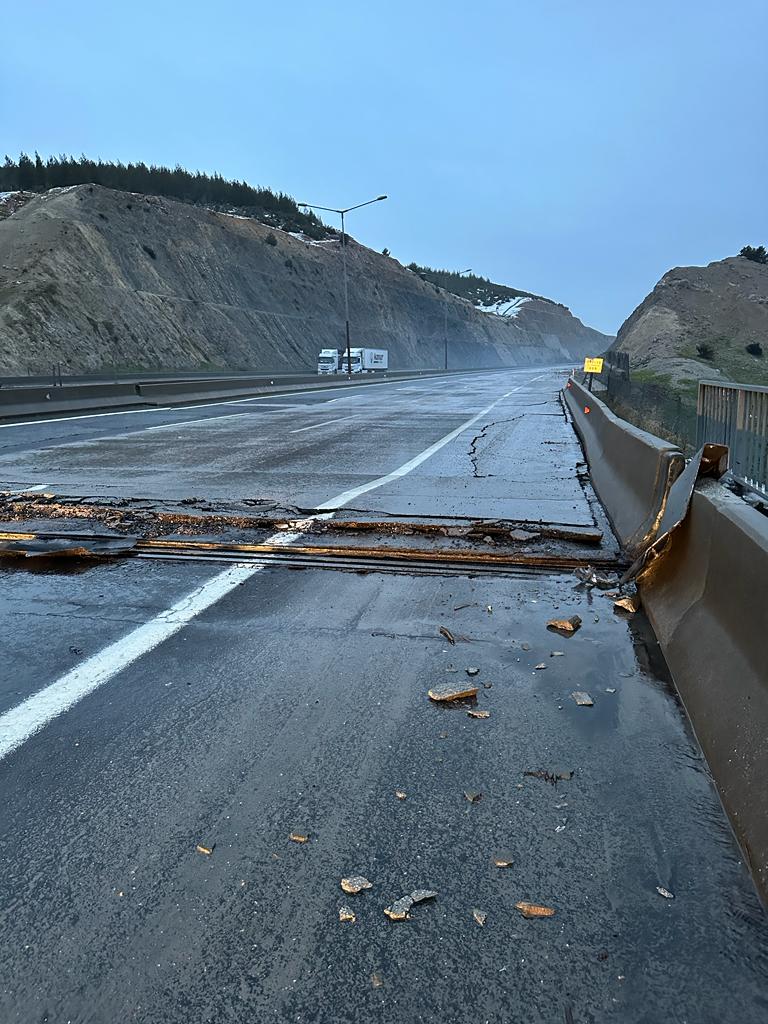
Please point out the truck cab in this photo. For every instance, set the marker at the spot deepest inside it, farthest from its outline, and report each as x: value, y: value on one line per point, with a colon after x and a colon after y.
x: 328, y: 361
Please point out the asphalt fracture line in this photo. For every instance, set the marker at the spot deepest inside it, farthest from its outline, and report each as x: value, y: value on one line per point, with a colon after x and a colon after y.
x: 346, y: 496
x: 24, y: 720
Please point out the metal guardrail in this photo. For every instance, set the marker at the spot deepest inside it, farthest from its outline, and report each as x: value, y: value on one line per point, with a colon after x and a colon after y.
x: 737, y: 415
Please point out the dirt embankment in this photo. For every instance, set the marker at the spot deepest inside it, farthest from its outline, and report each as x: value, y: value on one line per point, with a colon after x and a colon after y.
x: 697, y: 324
x: 103, y: 279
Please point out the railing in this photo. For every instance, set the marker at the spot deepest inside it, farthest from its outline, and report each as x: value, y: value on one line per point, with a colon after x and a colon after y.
x: 737, y: 415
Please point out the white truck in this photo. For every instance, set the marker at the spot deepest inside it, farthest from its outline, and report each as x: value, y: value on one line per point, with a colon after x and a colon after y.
x: 365, y: 360
x: 328, y: 361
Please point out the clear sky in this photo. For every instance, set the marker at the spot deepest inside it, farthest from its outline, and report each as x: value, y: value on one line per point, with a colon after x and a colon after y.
x: 576, y: 148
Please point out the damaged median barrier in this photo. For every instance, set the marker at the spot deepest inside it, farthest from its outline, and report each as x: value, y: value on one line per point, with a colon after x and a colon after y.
x: 701, y: 570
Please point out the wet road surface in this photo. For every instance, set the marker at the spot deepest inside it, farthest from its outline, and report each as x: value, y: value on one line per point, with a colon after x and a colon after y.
x: 296, y: 702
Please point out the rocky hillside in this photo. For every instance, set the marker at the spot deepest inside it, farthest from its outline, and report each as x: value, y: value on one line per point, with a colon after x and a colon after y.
x: 99, y: 278
x: 702, y: 322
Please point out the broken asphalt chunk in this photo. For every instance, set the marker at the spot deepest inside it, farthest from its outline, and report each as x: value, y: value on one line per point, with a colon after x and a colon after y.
x: 355, y: 884
x: 345, y: 914
x: 522, y: 535
x: 480, y: 916
x: 473, y: 796
x: 376, y: 980
x: 540, y: 666
x: 664, y: 892
x: 419, y: 895
x: 582, y: 699
x: 398, y: 911
x: 448, y: 635
x: 472, y: 671
x: 446, y: 692
x: 502, y: 860
x: 205, y: 850
x: 565, y: 626
x: 479, y: 714
x: 531, y: 910
x: 400, y: 794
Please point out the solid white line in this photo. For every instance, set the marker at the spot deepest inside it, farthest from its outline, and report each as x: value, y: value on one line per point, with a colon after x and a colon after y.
x: 314, y: 426
x: 21, y: 722
x: 27, y: 718
x: 37, y: 487
x: 407, y: 467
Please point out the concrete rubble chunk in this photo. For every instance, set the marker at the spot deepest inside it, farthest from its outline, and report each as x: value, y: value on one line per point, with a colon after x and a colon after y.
x: 446, y: 692
x: 533, y: 910
x: 355, y: 884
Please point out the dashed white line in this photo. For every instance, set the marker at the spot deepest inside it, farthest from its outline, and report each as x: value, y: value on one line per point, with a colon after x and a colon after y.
x: 314, y: 426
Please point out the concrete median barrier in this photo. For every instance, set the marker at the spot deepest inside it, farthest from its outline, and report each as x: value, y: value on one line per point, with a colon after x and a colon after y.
x: 631, y: 470
x: 50, y: 400
x: 705, y: 596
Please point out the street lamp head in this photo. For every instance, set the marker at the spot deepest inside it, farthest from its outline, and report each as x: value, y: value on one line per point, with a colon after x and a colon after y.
x: 380, y: 197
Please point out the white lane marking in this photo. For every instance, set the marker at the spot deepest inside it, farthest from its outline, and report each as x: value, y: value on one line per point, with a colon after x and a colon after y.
x: 37, y: 487
x: 314, y: 426
x: 21, y: 722
x: 27, y: 718
x: 207, y: 405
x: 407, y: 467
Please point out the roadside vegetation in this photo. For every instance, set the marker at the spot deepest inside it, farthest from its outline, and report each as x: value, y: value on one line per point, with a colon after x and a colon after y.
x: 33, y: 174
x: 477, y: 290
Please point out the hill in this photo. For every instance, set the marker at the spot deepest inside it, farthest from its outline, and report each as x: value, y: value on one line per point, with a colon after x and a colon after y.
x: 702, y: 323
x: 101, y: 278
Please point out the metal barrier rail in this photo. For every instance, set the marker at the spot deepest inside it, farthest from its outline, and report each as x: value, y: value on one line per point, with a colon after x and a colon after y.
x: 737, y: 415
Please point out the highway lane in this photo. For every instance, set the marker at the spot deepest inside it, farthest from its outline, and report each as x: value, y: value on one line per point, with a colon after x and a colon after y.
x: 297, y: 701
x: 302, y: 453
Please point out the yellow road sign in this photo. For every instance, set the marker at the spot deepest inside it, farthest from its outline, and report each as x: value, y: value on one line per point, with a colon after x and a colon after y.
x: 593, y: 366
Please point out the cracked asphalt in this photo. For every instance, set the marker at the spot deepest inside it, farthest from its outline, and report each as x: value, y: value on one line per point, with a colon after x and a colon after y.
x: 185, y: 704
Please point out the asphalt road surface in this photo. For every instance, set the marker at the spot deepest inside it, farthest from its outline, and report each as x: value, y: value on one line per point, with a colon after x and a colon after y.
x: 151, y: 707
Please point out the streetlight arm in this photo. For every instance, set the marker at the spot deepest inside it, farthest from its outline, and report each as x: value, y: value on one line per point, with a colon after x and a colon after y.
x: 359, y: 205
x: 348, y: 209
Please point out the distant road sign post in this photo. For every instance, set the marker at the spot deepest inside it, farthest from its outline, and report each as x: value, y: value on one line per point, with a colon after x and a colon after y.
x: 592, y: 365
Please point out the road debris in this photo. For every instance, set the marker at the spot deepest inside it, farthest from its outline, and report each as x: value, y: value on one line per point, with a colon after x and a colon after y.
x: 400, y: 794
x: 629, y: 604
x: 398, y: 911
x: 565, y: 626
x: 447, y: 692
x: 376, y: 980
x: 472, y: 671
x: 480, y: 916
x: 345, y: 914
x: 557, y: 654
x: 590, y: 577
x: 479, y: 714
x: 531, y: 910
x: 525, y: 647
x: 522, y: 535
x: 664, y: 892
x: 582, y: 699
x: 489, y: 609
x: 298, y: 837
x: 559, y: 828
x: 355, y: 884
x: 448, y: 635
x: 487, y: 686
x: 502, y: 860
x: 551, y: 777
x: 539, y: 667
x: 610, y: 689
x: 459, y: 607
x: 419, y: 895
x: 473, y: 796
x: 205, y: 850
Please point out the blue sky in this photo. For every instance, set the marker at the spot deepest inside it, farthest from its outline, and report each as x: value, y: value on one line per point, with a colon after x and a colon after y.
x: 578, y: 149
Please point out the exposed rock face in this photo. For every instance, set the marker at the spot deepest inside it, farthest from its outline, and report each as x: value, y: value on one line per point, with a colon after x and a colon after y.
x: 98, y: 278
x: 722, y: 307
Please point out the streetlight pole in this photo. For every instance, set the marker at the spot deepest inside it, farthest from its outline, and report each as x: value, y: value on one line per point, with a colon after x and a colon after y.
x: 445, y: 318
x: 342, y: 213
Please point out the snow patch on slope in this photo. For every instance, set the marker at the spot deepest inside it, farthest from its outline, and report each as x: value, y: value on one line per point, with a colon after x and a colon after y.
x: 508, y: 308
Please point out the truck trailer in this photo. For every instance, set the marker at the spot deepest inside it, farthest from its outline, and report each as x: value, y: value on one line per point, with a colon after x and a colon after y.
x: 365, y: 360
